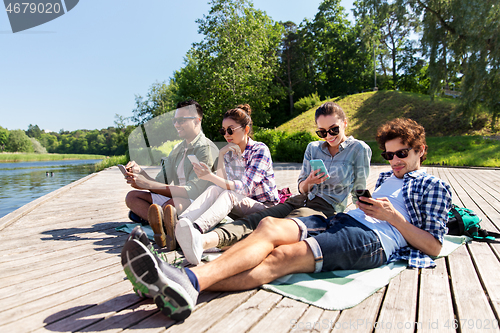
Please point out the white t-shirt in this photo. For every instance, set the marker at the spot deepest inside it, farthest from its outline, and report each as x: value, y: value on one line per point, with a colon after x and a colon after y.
x: 390, y: 237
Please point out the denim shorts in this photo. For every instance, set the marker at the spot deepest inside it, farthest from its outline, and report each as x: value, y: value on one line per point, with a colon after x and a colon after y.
x: 341, y: 242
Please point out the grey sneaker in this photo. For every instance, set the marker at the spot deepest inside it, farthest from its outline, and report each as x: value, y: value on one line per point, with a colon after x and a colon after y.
x: 169, y: 286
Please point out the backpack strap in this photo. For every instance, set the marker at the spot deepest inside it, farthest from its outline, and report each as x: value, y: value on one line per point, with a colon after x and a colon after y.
x: 456, y: 214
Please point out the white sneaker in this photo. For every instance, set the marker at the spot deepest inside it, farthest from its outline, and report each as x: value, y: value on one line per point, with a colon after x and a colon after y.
x: 190, y: 240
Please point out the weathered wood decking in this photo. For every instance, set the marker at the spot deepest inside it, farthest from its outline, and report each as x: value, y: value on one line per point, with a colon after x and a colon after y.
x: 60, y: 271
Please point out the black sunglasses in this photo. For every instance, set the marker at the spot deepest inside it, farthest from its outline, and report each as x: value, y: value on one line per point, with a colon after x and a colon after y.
x: 230, y: 130
x: 332, y: 131
x: 182, y: 120
x: 402, y: 153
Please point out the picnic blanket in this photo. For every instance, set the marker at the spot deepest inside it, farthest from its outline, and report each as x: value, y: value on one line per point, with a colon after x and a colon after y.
x: 343, y: 289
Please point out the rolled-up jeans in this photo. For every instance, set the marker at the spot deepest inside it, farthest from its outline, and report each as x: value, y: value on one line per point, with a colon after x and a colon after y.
x: 341, y: 242
x: 213, y: 205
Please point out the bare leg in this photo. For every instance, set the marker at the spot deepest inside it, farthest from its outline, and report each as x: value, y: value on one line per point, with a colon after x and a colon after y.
x: 250, y: 252
x: 139, y: 202
x: 285, y: 259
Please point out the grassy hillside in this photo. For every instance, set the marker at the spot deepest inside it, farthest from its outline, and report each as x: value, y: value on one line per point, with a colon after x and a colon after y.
x: 367, y: 111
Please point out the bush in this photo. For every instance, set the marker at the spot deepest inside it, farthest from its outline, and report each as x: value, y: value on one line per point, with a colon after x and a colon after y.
x: 18, y: 141
x: 285, y: 147
x: 37, y: 147
x: 307, y: 103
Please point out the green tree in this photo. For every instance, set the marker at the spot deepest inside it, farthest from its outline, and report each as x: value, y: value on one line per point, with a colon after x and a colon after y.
x: 159, y: 99
x: 4, y: 136
x: 19, y: 142
x: 341, y: 62
x: 37, y: 147
x: 460, y: 38
x: 34, y: 131
x: 237, y: 61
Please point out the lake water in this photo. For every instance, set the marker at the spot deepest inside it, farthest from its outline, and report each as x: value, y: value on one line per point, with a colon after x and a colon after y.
x: 23, y: 182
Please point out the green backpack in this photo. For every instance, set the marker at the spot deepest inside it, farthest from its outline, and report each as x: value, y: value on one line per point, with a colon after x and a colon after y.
x: 463, y: 221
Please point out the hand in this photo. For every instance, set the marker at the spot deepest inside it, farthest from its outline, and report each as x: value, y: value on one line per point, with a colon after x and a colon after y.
x: 202, y: 170
x: 316, y: 177
x: 381, y: 209
x: 230, y: 147
x: 137, y: 181
x: 133, y: 167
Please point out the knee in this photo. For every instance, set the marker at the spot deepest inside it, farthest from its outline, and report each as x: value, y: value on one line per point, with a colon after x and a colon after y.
x: 132, y: 197
x: 268, y: 225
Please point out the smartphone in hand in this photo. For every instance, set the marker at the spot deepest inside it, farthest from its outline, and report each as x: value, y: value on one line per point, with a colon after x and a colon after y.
x: 319, y: 164
x: 122, y: 169
x: 194, y: 159
x: 364, y: 193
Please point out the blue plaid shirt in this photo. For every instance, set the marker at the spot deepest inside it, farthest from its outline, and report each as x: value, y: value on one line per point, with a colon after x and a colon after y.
x: 427, y: 200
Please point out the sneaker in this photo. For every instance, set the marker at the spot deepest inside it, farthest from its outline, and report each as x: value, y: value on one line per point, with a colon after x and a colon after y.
x: 139, y: 235
x: 169, y: 222
x: 155, y: 218
x: 190, y: 240
x: 136, y: 218
x: 169, y: 286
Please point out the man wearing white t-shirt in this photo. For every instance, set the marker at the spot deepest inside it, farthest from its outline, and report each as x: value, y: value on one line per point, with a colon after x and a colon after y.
x: 405, y: 219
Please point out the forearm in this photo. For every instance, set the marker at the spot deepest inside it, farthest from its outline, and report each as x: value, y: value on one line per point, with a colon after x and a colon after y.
x: 416, y: 237
x: 143, y: 173
x: 221, y: 182
x: 305, y: 187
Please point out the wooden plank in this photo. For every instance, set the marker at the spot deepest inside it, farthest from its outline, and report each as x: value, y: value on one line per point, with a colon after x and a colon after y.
x: 159, y: 322
x: 489, y: 269
x: 310, y: 321
x: 398, y: 310
x: 69, y: 306
x: 435, y: 306
x: 26, y: 306
x: 247, y: 314
x: 472, y: 308
x: 281, y: 317
x: 211, y: 313
x: 362, y: 318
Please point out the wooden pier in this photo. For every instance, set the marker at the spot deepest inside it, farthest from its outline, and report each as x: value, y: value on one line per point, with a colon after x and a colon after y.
x: 60, y: 271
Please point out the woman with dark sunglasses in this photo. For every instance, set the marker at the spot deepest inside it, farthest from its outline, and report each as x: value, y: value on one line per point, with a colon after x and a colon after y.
x: 347, y: 161
x: 244, y: 184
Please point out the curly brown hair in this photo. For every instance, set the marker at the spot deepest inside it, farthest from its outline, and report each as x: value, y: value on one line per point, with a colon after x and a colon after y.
x: 408, y: 130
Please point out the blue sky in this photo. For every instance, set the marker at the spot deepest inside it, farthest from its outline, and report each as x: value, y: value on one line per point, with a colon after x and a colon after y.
x: 79, y: 70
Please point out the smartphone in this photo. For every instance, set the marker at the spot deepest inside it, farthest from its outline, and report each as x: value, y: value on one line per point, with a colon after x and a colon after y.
x: 194, y: 159
x: 364, y: 193
x: 319, y: 164
x: 122, y: 169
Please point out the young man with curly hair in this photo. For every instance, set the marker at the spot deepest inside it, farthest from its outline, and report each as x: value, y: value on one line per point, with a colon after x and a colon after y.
x: 405, y: 219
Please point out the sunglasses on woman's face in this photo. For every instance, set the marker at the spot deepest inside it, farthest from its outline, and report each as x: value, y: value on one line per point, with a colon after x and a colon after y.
x: 182, y: 120
x: 402, y: 153
x: 332, y: 131
x: 230, y: 130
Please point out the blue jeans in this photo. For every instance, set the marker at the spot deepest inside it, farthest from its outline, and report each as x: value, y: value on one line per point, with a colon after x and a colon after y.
x: 341, y: 242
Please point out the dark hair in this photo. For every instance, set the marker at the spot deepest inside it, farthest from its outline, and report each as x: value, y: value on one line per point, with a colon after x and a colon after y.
x: 191, y: 102
x: 408, y: 130
x: 330, y: 108
x: 241, y: 115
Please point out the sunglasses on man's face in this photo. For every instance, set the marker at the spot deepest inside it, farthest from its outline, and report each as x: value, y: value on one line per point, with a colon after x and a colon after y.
x: 332, y: 131
x: 230, y: 130
x: 402, y: 153
x: 182, y: 120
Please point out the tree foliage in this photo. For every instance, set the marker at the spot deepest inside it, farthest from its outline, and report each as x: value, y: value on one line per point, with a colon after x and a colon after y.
x: 18, y: 141
x: 461, y: 40
x: 237, y: 60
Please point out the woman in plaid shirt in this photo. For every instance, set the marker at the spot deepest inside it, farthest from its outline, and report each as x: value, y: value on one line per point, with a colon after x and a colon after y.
x: 244, y: 183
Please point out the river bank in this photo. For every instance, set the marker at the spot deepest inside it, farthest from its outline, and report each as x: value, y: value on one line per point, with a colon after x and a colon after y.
x: 29, y: 157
